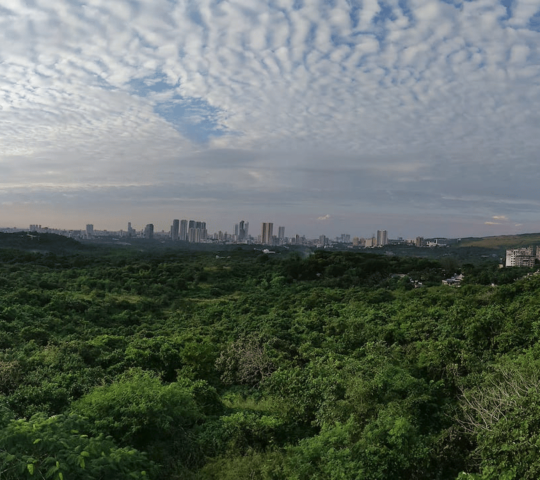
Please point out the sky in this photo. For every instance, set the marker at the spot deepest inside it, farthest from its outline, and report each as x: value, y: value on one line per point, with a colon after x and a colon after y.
x: 421, y: 117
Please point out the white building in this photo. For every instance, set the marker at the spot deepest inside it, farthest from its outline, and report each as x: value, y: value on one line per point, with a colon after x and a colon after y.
x: 520, y: 257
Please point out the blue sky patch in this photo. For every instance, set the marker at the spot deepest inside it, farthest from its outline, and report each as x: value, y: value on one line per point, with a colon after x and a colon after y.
x: 193, y: 118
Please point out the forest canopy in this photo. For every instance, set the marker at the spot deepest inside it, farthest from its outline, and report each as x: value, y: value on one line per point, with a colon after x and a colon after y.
x: 332, y: 365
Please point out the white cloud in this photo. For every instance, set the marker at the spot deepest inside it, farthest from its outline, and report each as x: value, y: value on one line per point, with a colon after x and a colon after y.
x: 323, y: 218
x: 407, y: 92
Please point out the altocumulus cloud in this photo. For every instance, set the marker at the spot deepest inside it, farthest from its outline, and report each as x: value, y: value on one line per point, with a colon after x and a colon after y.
x: 395, y: 106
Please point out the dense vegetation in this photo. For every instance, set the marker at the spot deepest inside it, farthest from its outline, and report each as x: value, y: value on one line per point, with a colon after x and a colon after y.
x: 178, y: 365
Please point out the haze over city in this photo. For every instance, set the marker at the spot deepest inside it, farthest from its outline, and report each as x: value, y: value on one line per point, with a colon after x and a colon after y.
x: 420, y: 117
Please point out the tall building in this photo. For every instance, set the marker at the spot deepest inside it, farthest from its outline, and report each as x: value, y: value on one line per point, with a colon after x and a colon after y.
x: 382, y: 237
x: 281, y: 234
x: 266, y: 233
x: 183, y: 230
x: 242, y: 231
x: 89, y: 230
x: 194, y: 235
x: 149, y: 231
x: 419, y: 242
x: 204, y: 232
x: 175, y: 229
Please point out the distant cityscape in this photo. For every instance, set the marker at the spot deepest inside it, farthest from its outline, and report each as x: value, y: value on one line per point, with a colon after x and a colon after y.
x: 195, y: 231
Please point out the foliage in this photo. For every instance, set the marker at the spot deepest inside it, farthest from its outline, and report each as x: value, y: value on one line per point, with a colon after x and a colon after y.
x: 58, y: 448
x: 297, y: 365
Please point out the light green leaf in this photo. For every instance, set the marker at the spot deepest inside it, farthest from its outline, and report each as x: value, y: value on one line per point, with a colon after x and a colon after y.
x: 30, y: 468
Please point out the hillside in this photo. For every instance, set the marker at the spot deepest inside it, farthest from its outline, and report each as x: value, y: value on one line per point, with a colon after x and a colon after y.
x: 501, y: 241
x: 237, y: 365
x: 42, y: 242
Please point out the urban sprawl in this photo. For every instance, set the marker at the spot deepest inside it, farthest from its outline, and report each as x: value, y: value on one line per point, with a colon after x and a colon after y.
x: 193, y: 231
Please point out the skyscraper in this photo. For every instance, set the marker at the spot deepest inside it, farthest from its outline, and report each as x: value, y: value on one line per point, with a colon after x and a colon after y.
x: 175, y: 229
x: 149, y: 231
x: 242, y: 231
x: 266, y: 233
x: 89, y: 230
x: 204, y: 232
x: 281, y: 234
x: 183, y: 230
x: 382, y: 237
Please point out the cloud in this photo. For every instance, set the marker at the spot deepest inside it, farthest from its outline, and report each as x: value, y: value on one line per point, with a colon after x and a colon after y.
x: 323, y: 218
x: 415, y: 106
x: 492, y: 223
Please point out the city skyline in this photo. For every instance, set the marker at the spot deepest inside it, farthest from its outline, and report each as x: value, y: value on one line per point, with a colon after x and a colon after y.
x: 419, y: 115
x: 191, y: 231
x: 326, y: 228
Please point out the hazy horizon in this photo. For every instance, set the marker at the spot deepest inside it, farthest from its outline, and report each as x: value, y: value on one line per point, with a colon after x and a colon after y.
x: 326, y: 116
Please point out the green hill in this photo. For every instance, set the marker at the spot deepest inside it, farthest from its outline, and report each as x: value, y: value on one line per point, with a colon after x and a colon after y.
x: 43, y: 243
x: 502, y: 241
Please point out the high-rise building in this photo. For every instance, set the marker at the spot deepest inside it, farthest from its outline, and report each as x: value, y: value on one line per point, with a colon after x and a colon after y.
x: 419, y: 242
x: 149, y: 231
x: 266, y: 233
x: 175, y: 229
x: 204, y: 232
x: 242, y: 231
x: 281, y: 234
x: 382, y: 237
x: 322, y: 240
x: 129, y: 230
x: 194, y: 235
x: 183, y: 230
x: 236, y: 229
x: 89, y: 230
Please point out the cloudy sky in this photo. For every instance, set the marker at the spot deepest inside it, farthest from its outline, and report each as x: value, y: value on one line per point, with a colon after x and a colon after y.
x: 326, y: 116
